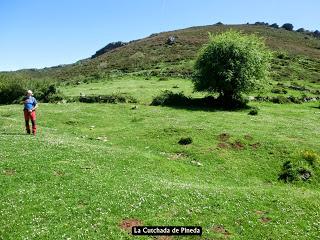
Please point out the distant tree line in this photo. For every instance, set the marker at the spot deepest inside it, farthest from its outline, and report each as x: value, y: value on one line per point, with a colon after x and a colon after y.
x: 289, y: 27
x: 286, y: 26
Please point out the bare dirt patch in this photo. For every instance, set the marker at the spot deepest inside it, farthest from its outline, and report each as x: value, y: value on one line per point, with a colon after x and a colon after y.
x: 177, y: 156
x: 265, y: 219
x: 237, y: 145
x: 259, y: 212
x: 223, y: 145
x: 255, y: 145
x: 127, y: 224
x: 248, y: 137
x: 9, y: 172
x: 58, y: 173
x: 221, y: 229
x: 224, y: 137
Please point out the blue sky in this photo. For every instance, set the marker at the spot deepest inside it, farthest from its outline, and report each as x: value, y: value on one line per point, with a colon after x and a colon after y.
x: 40, y: 33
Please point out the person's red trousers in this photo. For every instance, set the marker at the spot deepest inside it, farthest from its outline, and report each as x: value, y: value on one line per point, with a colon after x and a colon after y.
x: 30, y: 116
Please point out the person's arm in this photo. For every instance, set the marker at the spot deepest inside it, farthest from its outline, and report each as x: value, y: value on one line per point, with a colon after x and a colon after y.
x: 23, y: 101
x: 34, y: 108
x: 35, y: 103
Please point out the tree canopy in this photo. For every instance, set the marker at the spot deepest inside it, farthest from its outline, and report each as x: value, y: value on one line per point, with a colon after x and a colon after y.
x: 231, y: 64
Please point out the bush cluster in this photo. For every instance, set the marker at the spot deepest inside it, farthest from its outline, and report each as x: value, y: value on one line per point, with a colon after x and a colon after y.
x: 287, y: 26
x: 279, y: 91
x: 169, y: 98
x: 185, y: 141
x: 253, y: 111
x: 49, y: 94
x: 303, y: 168
x: 11, y: 93
x: 283, y: 100
x: 112, y: 98
x: 12, y: 90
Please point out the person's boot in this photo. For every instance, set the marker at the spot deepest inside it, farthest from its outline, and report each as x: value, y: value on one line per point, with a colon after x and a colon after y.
x: 34, y: 127
x: 28, y: 128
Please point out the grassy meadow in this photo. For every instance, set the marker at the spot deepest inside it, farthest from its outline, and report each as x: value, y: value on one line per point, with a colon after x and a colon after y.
x: 93, y: 166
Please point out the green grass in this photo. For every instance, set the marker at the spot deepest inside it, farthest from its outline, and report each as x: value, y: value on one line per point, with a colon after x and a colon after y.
x: 143, y: 89
x: 93, y: 165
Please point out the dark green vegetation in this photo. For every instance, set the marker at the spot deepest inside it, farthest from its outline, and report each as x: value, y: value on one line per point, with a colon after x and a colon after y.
x: 13, y: 88
x: 231, y: 64
x: 185, y: 140
x: 95, y: 168
x: 253, y: 111
x: 303, y: 168
x: 287, y: 26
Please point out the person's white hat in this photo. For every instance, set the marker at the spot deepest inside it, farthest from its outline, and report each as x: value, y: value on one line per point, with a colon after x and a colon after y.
x: 29, y: 91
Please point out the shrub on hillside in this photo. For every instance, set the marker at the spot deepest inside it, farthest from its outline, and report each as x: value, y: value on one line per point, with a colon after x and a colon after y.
x: 185, y: 141
x: 231, y: 64
x: 49, y: 94
x: 311, y: 157
x: 279, y: 91
x: 13, y: 88
x: 12, y: 92
x: 316, y: 33
x: 296, y: 171
x: 294, y: 99
x: 274, y: 25
x: 288, y: 173
x: 280, y: 100
x: 261, y: 23
x: 300, y: 169
x: 56, y: 98
x: 113, y: 98
x: 253, y: 111
x: 282, y: 55
x: 287, y: 26
x: 169, y: 98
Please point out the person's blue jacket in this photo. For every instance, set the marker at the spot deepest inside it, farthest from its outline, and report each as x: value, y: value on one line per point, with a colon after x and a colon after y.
x: 29, y: 103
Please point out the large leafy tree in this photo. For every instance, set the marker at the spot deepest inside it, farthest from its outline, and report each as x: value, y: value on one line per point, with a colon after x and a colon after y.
x: 231, y: 64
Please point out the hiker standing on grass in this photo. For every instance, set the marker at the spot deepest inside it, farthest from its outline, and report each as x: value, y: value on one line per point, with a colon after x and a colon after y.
x: 29, y: 110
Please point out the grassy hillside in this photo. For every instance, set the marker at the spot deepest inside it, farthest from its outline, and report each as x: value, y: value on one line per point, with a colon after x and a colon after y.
x: 152, y: 53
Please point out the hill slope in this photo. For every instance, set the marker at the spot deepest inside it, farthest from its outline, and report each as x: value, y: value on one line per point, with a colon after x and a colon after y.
x: 153, y: 52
